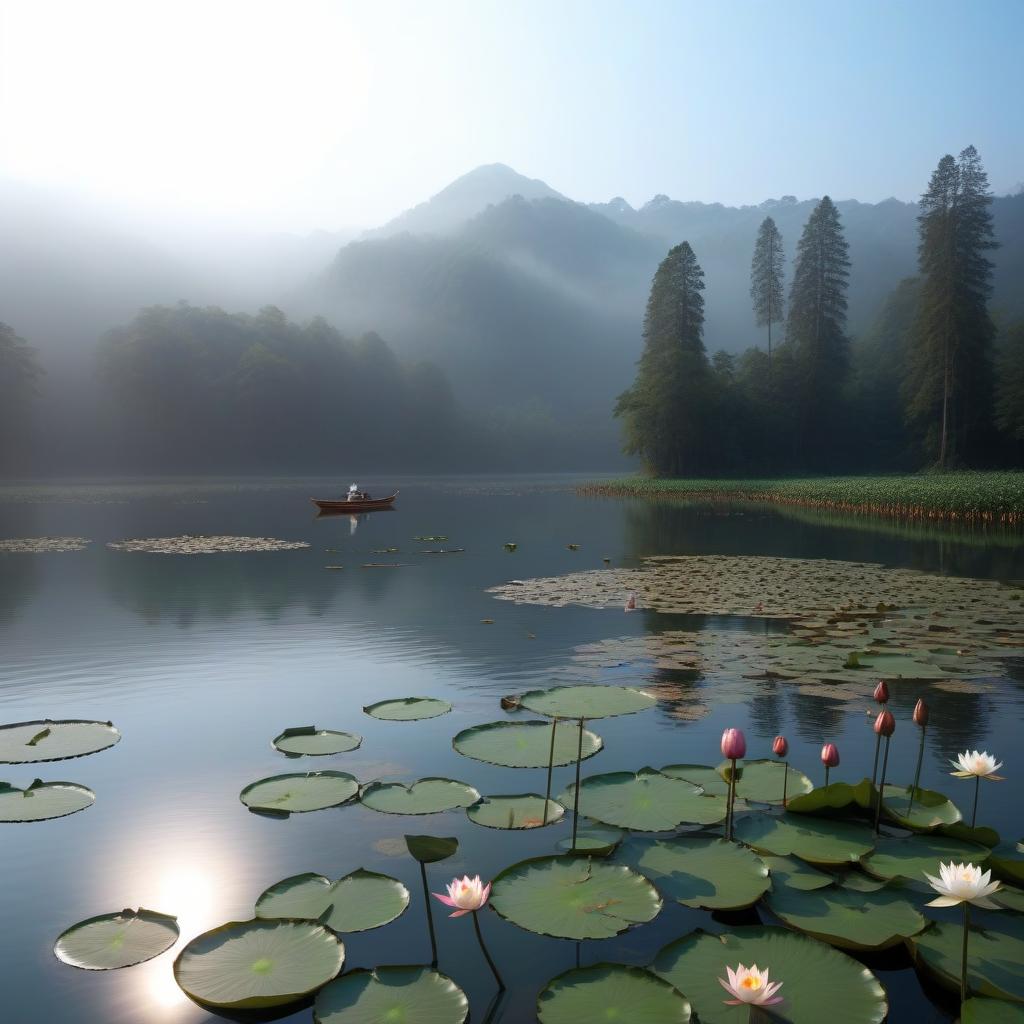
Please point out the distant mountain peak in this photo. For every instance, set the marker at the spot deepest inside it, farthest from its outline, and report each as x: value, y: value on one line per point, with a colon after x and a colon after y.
x: 465, y: 197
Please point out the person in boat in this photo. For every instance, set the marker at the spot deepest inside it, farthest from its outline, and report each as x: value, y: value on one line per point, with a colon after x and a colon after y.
x: 354, y: 494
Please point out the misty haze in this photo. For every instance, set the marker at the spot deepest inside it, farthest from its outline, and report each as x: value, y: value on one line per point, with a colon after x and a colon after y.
x: 556, y: 465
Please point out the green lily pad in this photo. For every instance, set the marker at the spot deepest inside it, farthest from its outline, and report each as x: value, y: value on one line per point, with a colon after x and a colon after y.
x: 796, y: 874
x: 258, y: 964
x: 593, y: 839
x: 110, y: 941
x: 611, y: 992
x: 573, y: 897
x: 302, y: 791
x: 587, y: 701
x: 910, y: 857
x: 523, y: 811
x: 761, y: 781
x: 405, y: 995
x: 357, y: 902
x: 702, y: 775
x: 819, y: 983
x: 525, y: 744
x: 30, y: 742
x: 308, y: 740
x: 408, y: 709
x: 427, y: 796
x: 43, y: 800
x: 817, y: 840
x: 995, y: 956
x: 1010, y: 897
x: 982, y: 835
x: 849, y: 917
x: 1007, y: 861
x: 991, y: 1011
x: 431, y: 849
x: 928, y: 811
x: 711, y: 874
x: 859, y: 882
x: 646, y: 801
x: 838, y: 796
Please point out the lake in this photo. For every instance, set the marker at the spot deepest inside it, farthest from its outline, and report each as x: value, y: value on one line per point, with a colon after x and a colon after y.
x: 200, y: 661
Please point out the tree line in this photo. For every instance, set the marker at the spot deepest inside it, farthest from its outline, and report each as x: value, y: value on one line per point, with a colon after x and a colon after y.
x: 932, y: 384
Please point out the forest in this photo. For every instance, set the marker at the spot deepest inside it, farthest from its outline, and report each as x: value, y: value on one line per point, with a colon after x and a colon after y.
x: 934, y: 383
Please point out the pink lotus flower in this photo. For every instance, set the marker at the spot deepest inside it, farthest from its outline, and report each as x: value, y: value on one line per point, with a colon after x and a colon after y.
x: 468, y: 894
x: 921, y: 713
x: 885, y: 723
x: 780, y: 747
x: 830, y: 755
x: 734, y: 744
x: 882, y: 692
x: 750, y: 986
x: 631, y: 603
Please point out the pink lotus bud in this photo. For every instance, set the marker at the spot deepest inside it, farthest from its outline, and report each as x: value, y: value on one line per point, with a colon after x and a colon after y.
x: 885, y: 724
x: 734, y: 744
x: 921, y: 713
x: 829, y: 755
x: 882, y: 692
x: 780, y: 746
x: 631, y: 602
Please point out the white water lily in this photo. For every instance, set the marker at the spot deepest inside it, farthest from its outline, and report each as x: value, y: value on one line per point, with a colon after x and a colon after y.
x: 977, y: 764
x: 751, y: 986
x: 465, y: 894
x: 963, y: 883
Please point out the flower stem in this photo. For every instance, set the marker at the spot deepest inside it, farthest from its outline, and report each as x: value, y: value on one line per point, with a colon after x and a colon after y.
x: 430, y: 918
x: 963, y: 954
x: 881, y: 786
x: 785, y: 781
x: 974, y: 813
x: 576, y: 792
x: 826, y: 775
x: 730, y: 808
x: 917, y: 774
x: 551, y: 765
x: 487, y: 956
x: 874, y: 769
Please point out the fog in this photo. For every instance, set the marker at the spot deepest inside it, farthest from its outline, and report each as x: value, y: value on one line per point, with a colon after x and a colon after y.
x: 394, y: 170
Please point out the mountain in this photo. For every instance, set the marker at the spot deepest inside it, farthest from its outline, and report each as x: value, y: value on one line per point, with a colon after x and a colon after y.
x: 464, y: 198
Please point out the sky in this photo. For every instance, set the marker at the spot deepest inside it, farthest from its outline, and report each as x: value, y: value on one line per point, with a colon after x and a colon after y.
x: 333, y: 114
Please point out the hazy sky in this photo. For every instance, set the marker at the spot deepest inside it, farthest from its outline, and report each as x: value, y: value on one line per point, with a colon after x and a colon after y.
x: 300, y: 114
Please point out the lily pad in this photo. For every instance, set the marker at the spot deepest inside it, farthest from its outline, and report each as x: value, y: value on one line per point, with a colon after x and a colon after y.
x: 110, y: 941
x: 427, y: 796
x: 702, y: 775
x: 408, y: 709
x: 523, y: 811
x: 1007, y: 861
x: 816, y: 840
x: 910, y: 857
x: 587, y: 701
x: 431, y: 849
x: 308, y: 740
x: 410, y: 995
x: 991, y: 1011
x: 818, y: 982
x: 593, y: 839
x: 848, y: 917
x: 43, y: 800
x: 995, y: 956
x: 574, y: 897
x: 525, y: 744
x: 796, y: 874
x: 308, y: 791
x: 761, y: 781
x: 712, y: 874
x: 357, y: 902
x: 45, y: 740
x: 611, y: 992
x: 646, y: 801
x: 258, y: 964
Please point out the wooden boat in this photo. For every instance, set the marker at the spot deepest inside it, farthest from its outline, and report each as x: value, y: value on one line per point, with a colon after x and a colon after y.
x: 353, y: 507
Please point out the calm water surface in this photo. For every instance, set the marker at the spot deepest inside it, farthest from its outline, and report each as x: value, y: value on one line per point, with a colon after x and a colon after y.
x: 201, y: 661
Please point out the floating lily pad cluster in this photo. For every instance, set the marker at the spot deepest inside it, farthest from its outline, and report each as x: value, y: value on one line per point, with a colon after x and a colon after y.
x: 205, y: 545
x: 42, y: 545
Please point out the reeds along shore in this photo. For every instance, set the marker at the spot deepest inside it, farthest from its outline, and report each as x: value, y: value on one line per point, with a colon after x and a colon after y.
x: 996, y: 498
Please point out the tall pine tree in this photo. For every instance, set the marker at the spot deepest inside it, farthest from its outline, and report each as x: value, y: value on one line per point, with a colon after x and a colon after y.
x: 949, y: 381
x: 766, y: 279
x: 667, y: 410
x: 815, y: 333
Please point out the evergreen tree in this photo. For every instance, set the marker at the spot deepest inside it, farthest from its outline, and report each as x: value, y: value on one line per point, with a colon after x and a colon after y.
x: 1010, y: 390
x: 949, y: 383
x: 19, y: 372
x: 667, y: 410
x: 766, y: 279
x: 815, y: 333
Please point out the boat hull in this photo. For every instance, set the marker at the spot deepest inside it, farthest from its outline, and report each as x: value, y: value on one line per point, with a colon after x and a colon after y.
x: 352, y: 507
